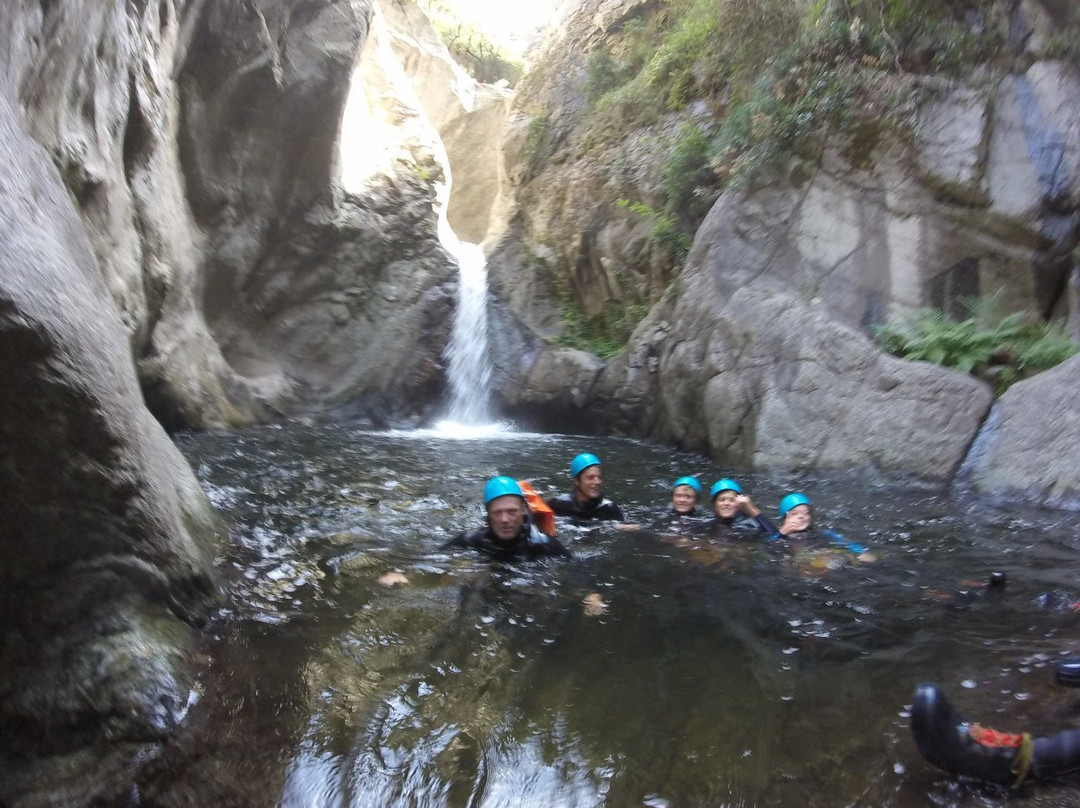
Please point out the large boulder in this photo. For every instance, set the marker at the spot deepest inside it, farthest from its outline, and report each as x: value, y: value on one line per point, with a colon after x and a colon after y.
x: 1027, y: 451
x: 763, y: 378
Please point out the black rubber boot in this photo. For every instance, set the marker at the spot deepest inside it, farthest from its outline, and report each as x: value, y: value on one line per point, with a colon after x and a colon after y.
x: 945, y: 738
x: 951, y: 742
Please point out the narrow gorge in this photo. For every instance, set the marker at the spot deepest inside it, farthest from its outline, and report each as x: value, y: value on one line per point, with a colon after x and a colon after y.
x: 218, y: 214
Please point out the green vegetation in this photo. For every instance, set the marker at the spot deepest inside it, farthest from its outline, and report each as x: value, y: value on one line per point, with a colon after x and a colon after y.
x: 775, y: 74
x: 471, y: 46
x: 664, y: 231
x: 1012, y: 348
x: 604, y: 334
x: 534, y: 139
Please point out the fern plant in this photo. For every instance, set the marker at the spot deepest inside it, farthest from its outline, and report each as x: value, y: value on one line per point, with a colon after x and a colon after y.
x: 1002, y: 354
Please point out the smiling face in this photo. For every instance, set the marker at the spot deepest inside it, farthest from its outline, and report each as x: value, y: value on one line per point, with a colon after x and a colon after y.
x: 726, y: 504
x: 797, y: 519
x: 589, y: 484
x: 683, y: 499
x: 505, y: 516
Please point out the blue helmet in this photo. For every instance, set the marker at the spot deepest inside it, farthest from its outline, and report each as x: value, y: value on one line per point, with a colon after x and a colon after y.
x: 791, y: 501
x: 500, y: 487
x: 582, y: 462
x: 690, y: 481
x: 724, y: 485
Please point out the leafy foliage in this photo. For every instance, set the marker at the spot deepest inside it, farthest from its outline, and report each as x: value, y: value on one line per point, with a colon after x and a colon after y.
x: 534, y: 139
x: 471, y: 46
x: 1012, y: 349
x: 776, y: 74
x: 604, y: 334
x: 478, y: 54
x: 665, y: 230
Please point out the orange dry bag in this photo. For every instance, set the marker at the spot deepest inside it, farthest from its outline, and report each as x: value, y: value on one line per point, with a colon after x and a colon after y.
x: 542, y: 515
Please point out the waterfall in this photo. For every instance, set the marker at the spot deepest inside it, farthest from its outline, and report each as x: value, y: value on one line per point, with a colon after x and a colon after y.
x: 469, y: 369
x: 468, y: 364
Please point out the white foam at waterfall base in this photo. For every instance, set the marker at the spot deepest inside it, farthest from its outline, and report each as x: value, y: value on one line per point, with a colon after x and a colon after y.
x: 459, y: 431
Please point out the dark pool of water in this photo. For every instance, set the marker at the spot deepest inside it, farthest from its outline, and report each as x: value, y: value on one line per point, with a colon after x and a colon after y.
x: 719, y: 676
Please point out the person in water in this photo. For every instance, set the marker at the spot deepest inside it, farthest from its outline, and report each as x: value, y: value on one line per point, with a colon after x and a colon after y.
x: 685, y: 493
x: 797, y: 528
x: 587, y: 501
x: 734, y: 509
x: 508, y: 532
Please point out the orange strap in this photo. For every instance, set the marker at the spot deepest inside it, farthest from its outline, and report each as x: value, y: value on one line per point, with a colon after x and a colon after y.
x: 543, y: 516
x: 995, y: 739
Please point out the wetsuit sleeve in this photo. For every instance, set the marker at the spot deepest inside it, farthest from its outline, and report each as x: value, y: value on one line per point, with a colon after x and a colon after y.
x: 771, y: 531
x: 851, y: 546
x: 604, y: 510
x: 541, y: 544
x: 457, y: 541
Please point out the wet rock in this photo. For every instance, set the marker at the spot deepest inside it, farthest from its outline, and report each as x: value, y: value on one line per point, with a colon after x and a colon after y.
x: 1026, y: 452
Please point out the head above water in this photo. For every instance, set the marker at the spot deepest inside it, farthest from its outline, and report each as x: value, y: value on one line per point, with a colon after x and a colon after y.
x: 690, y: 481
x: 501, y: 487
x: 793, y: 501
x: 588, y: 478
x: 582, y: 462
x: 724, y: 485
x: 685, y: 492
x: 506, y: 509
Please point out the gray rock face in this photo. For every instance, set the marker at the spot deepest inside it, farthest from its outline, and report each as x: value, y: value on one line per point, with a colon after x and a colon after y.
x: 200, y: 141
x: 759, y: 351
x: 106, y: 536
x: 305, y: 286
x: 737, y: 364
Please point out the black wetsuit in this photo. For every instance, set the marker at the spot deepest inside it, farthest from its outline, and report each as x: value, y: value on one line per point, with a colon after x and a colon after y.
x: 691, y: 523
x: 741, y: 522
x: 599, y: 508
x: 528, y: 544
x: 812, y: 537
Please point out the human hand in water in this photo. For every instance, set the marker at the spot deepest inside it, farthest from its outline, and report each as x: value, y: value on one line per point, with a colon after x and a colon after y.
x: 594, y: 605
x: 747, y: 505
x: 392, y: 578
x: 627, y: 526
x: 866, y: 558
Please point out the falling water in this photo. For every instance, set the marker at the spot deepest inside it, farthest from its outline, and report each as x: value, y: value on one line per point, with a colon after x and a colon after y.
x: 469, y: 367
x: 467, y: 351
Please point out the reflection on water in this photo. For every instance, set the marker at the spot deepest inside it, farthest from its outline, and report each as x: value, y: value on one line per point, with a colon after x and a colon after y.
x: 723, y: 674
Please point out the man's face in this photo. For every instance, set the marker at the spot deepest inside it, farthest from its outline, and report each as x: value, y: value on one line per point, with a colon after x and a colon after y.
x: 726, y: 504
x: 683, y: 499
x: 589, y: 484
x: 798, y: 518
x: 505, y: 516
